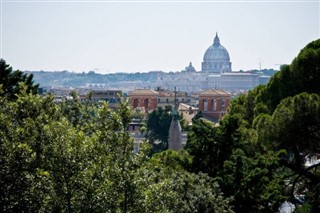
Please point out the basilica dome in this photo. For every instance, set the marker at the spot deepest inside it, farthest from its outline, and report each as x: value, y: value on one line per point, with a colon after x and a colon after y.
x: 216, y: 58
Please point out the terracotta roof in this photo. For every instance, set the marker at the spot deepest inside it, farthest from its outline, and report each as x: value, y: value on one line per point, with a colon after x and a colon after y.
x: 143, y: 92
x: 216, y: 92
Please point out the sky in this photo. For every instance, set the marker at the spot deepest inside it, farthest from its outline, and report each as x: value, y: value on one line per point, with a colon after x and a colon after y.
x: 141, y: 36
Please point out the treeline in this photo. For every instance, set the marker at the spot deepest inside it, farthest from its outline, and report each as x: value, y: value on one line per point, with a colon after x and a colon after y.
x: 77, y: 157
x: 71, y: 79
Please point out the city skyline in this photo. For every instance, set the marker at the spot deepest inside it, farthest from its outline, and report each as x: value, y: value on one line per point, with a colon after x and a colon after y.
x: 142, y: 36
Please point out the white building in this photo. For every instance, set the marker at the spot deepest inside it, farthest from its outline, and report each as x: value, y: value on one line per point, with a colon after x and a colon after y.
x: 216, y: 58
x: 215, y: 74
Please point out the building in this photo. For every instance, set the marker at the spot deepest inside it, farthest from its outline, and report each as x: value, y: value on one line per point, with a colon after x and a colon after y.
x: 216, y: 58
x: 234, y: 81
x: 187, y: 112
x: 167, y: 97
x: 134, y: 129
x: 147, y: 100
x: 215, y: 73
x: 183, y: 81
x: 144, y: 100
x: 214, y: 103
x: 111, y: 96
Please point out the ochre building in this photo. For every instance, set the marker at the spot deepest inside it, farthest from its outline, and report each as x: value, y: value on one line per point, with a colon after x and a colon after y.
x: 214, y: 103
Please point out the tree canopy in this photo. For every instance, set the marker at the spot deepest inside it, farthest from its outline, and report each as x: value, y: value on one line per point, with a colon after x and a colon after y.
x: 10, y: 80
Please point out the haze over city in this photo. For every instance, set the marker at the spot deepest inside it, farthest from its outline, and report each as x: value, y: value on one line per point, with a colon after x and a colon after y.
x: 141, y: 36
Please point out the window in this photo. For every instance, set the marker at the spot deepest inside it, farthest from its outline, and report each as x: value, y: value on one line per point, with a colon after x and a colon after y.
x: 223, y: 104
x: 205, y: 105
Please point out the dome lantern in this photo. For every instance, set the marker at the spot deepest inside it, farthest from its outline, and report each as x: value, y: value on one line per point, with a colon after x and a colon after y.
x: 216, y: 41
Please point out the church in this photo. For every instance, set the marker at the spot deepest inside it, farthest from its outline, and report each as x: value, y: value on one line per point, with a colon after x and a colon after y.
x: 216, y: 73
x: 216, y: 59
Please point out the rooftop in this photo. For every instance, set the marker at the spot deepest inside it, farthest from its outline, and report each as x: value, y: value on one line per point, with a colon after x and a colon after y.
x: 143, y: 92
x: 216, y: 92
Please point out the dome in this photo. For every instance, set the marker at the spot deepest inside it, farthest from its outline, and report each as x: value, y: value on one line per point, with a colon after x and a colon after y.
x: 216, y: 58
x: 214, y: 53
x: 190, y: 68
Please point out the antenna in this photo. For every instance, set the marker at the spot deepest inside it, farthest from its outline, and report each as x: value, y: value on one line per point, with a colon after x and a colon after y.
x: 259, y: 64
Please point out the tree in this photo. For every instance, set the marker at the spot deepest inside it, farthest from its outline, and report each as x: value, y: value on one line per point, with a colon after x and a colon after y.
x: 300, y: 76
x: 255, y: 182
x: 22, y: 146
x: 50, y: 164
x: 204, y: 144
x: 296, y: 129
x: 243, y: 169
x: 10, y: 80
x: 158, y: 125
x: 167, y: 187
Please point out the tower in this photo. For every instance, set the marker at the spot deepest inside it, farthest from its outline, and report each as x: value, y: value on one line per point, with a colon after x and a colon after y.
x: 175, y: 137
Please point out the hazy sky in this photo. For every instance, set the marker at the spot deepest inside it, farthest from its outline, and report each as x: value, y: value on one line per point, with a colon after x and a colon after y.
x: 141, y: 36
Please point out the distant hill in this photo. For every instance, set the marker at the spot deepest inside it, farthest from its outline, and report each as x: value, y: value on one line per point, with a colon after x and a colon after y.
x: 72, y: 79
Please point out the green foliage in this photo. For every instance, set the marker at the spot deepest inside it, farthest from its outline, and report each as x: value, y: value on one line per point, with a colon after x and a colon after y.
x: 305, y: 208
x: 158, y: 125
x: 296, y: 123
x: 10, y: 80
x: 74, y: 157
x: 51, y: 162
x: 253, y: 181
x: 248, y: 105
x: 278, y: 122
x: 244, y: 170
x: 301, y: 76
x: 204, y: 144
x: 197, y: 116
x: 170, y: 188
x: 294, y: 126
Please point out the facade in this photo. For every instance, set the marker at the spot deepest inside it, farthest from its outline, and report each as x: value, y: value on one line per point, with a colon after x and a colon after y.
x: 182, y: 81
x: 136, y: 134
x: 234, y: 81
x: 214, y: 103
x: 167, y: 97
x: 144, y: 99
x: 147, y: 100
x: 111, y: 96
